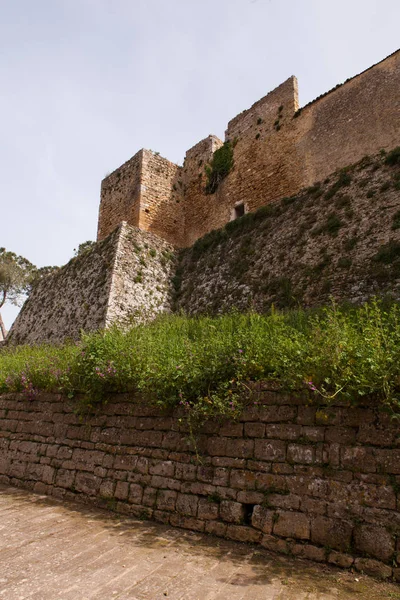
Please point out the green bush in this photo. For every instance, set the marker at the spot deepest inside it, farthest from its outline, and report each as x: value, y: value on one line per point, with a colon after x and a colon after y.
x: 393, y: 158
x: 221, y: 164
x: 205, y: 364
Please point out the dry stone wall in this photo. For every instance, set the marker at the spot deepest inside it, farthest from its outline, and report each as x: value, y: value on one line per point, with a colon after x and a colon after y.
x: 124, y: 278
x: 339, y: 238
x: 319, y: 482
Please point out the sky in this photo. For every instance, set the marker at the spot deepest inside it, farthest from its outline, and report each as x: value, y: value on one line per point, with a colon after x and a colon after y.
x: 86, y: 83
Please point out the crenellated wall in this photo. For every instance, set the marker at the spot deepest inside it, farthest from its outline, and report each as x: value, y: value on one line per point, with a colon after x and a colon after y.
x: 278, y: 150
x: 315, y: 481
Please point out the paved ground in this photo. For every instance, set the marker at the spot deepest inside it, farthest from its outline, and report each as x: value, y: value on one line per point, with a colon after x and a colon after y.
x: 54, y: 551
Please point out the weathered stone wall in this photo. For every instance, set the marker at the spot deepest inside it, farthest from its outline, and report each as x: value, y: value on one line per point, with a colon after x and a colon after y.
x: 120, y: 197
x: 277, y: 151
x: 141, y: 278
x: 161, y: 206
x: 146, y: 192
x: 356, y: 119
x: 314, y: 481
x: 73, y: 298
x: 340, y: 238
x: 125, y: 277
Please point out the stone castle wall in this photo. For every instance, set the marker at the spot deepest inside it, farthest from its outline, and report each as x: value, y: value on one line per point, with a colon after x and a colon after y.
x: 277, y: 151
x: 126, y: 277
x: 318, y: 482
x: 340, y: 239
x: 146, y: 192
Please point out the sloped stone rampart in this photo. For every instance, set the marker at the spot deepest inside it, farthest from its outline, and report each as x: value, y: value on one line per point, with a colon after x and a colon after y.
x: 339, y: 238
x: 124, y: 278
x: 319, y: 482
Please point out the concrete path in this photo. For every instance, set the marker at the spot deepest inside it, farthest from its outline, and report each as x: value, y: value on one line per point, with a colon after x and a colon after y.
x: 58, y: 551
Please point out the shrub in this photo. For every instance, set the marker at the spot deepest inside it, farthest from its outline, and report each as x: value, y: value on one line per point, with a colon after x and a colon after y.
x: 203, y: 363
x: 221, y: 164
x: 393, y: 157
x: 388, y: 253
x: 396, y: 220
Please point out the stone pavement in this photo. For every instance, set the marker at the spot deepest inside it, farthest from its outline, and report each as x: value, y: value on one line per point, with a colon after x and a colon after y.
x: 65, y: 551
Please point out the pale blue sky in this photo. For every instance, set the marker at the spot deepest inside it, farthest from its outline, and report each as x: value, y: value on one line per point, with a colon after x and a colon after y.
x: 86, y: 83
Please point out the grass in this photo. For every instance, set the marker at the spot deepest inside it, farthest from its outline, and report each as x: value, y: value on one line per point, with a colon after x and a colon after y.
x: 205, y: 364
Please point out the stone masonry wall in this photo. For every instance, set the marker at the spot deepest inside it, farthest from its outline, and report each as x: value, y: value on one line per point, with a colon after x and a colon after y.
x: 278, y: 150
x: 120, y: 197
x: 161, y: 201
x: 73, y: 298
x: 319, y: 482
x: 124, y: 278
x: 340, y: 238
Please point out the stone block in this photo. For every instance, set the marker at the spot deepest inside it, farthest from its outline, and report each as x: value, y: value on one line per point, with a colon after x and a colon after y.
x: 231, y: 429
x: 187, y: 522
x: 340, y: 560
x: 216, y: 446
x: 270, y: 450
x: 221, y: 476
x: 306, y: 415
x: 275, y: 544
x: 254, y: 430
x: 216, y: 528
x: 340, y: 435
x: 107, y: 489
x: 276, y: 414
x: 166, y: 500
x: 243, y: 480
x: 308, y: 552
x: 331, y: 533
x: 376, y: 542
x: 135, y: 493
x: 231, y: 512
x: 205, y: 474
x: 269, y: 482
x: 283, y: 432
x: 239, y: 448
x: 121, y: 490
x: 300, y: 454
x: 357, y: 458
x: 374, y: 568
x: 163, y: 468
x: 186, y: 504
x: 250, y: 497
x: 87, y: 483
x: 207, y: 510
x: 285, y: 501
x: 186, y: 472
x: 262, y: 518
x: 65, y: 478
x: 149, y: 496
x: 241, y: 533
x: 292, y: 524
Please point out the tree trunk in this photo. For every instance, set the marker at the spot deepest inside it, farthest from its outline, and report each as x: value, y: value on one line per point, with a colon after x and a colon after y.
x: 2, y: 328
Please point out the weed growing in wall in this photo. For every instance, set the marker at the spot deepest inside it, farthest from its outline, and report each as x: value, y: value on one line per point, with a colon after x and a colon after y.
x: 221, y: 164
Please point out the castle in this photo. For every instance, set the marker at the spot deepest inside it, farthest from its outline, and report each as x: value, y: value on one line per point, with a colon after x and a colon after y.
x: 150, y: 208
x: 277, y: 150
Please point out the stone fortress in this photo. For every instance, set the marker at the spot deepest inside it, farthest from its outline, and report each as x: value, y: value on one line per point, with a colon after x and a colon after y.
x: 278, y: 150
x: 151, y: 209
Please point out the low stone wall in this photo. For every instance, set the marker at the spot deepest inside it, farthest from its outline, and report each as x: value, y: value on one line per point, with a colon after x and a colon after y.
x: 316, y: 482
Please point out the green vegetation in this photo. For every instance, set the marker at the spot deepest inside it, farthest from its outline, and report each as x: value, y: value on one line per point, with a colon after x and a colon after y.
x: 205, y: 364
x: 220, y: 166
x: 393, y: 158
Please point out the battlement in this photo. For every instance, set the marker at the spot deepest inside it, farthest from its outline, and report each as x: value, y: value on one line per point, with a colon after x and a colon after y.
x: 278, y: 149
